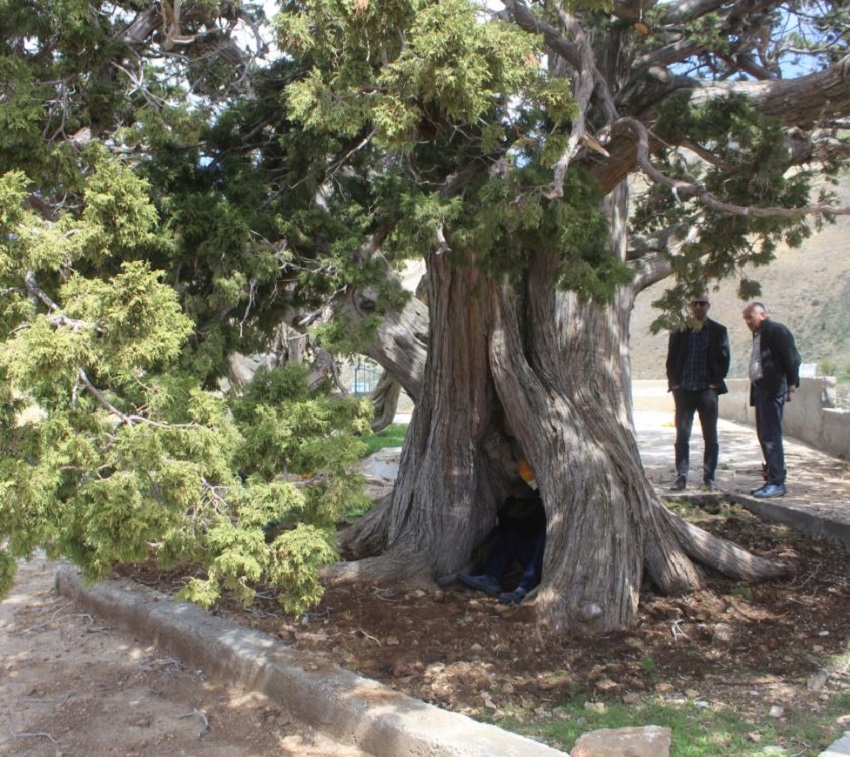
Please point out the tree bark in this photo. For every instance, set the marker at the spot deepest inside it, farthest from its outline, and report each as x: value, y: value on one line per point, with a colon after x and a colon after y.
x: 385, y: 399
x: 448, y: 488
x: 530, y: 371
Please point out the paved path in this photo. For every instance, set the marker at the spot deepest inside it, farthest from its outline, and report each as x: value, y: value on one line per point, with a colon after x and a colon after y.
x: 818, y: 499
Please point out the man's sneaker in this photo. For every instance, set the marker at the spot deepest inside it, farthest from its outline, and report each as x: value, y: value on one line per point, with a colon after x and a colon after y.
x: 679, y: 484
x: 770, y: 490
x: 512, y: 597
x: 487, y: 584
x: 710, y: 484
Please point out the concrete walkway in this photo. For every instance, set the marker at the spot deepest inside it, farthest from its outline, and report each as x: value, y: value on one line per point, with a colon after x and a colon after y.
x: 818, y: 499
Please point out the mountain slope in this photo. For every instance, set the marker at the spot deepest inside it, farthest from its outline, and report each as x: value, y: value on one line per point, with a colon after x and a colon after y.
x: 807, y: 289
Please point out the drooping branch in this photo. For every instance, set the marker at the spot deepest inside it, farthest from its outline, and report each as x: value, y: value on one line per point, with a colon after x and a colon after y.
x: 650, y: 268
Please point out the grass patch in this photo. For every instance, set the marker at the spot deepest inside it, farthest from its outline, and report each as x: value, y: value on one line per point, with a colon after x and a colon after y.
x: 698, y: 729
x: 391, y: 436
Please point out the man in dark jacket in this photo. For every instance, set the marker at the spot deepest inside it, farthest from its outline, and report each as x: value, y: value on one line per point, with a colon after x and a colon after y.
x: 697, y: 364
x: 774, y: 375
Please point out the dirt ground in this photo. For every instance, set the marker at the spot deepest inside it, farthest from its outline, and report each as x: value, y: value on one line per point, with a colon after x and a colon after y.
x: 783, y: 644
x: 70, y: 685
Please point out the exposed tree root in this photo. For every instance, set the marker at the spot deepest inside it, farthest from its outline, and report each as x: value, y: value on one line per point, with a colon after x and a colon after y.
x: 389, y: 568
x: 367, y: 536
x: 724, y: 556
x: 364, y: 542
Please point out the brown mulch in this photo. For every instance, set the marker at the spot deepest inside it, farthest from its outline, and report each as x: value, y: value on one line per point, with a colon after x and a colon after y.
x: 783, y: 643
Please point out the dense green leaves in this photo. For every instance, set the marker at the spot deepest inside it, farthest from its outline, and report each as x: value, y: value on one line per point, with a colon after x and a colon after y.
x: 137, y: 251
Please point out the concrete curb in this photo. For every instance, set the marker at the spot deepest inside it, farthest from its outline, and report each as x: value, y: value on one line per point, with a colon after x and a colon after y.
x: 348, y: 708
x: 807, y: 522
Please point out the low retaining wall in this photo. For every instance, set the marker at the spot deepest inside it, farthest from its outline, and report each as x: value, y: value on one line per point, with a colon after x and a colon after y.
x: 811, y: 417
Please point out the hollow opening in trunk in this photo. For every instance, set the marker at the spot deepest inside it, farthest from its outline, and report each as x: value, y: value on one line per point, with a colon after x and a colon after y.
x: 509, y: 562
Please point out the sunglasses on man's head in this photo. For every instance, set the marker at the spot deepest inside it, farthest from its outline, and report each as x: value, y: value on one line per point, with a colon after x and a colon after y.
x: 701, y: 303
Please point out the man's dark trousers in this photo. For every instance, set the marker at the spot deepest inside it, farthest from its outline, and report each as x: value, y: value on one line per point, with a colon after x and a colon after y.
x: 515, y: 543
x: 769, y: 410
x: 703, y: 402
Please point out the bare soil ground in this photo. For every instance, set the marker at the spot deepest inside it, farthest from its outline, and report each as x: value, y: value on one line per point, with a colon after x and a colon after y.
x: 69, y: 685
x: 784, y: 644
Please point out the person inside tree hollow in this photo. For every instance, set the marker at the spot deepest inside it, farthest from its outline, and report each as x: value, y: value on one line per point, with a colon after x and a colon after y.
x: 519, y: 537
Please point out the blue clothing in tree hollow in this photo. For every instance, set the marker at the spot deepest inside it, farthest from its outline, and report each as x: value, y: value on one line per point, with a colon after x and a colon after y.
x: 519, y: 537
x: 522, y: 540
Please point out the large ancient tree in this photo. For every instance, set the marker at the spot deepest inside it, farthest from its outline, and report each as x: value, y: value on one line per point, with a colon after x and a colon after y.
x: 519, y: 136
x: 166, y: 201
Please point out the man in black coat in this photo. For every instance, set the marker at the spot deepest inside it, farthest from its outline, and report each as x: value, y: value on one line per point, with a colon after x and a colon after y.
x: 697, y: 364
x: 774, y: 375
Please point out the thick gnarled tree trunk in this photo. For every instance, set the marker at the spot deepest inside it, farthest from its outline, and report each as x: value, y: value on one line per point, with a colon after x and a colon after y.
x: 545, y: 376
x: 450, y: 482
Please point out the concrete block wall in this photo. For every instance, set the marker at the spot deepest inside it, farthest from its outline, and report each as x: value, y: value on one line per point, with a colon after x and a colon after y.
x: 811, y: 416
x: 652, y: 394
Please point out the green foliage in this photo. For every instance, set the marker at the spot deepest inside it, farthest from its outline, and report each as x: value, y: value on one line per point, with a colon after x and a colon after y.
x: 455, y: 64
x: 159, y: 480
x: 113, y: 451
x: 750, y: 169
x: 7, y: 572
x: 576, y: 231
x: 462, y: 89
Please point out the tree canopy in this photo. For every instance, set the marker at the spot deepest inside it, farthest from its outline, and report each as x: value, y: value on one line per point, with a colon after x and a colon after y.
x: 176, y: 184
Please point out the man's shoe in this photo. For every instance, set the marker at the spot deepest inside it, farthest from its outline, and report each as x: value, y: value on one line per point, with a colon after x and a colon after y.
x: 512, y: 597
x: 679, y: 484
x: 770, y: 490
x: 710, y: 484
x: 487, y: 584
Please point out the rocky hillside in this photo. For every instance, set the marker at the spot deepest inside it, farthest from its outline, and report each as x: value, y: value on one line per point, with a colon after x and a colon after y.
x: 807, y: 289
